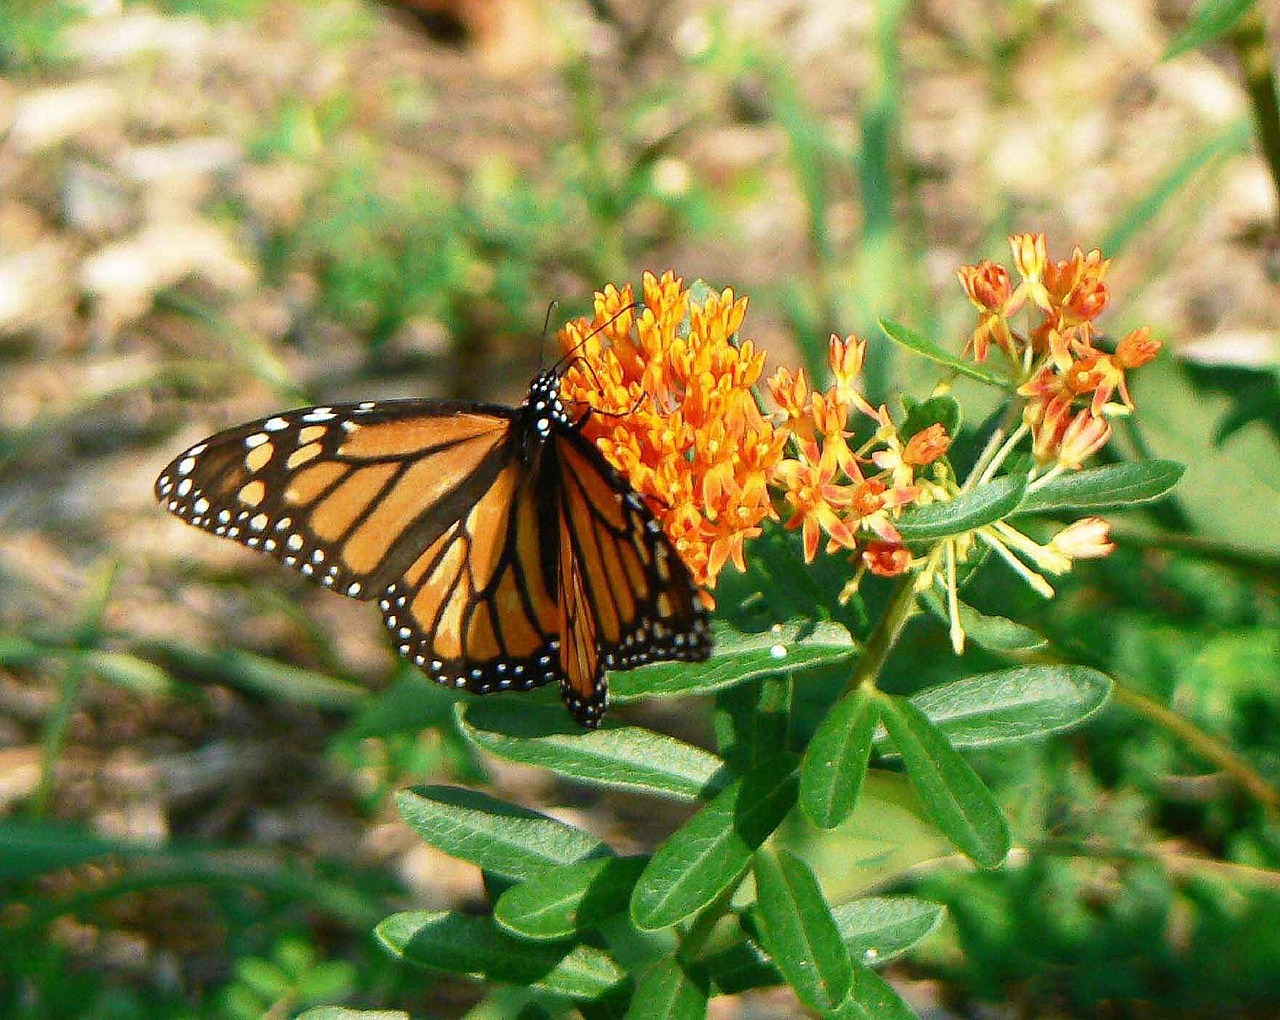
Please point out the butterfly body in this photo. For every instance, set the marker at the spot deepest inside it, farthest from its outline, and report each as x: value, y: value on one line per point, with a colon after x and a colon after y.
x: 502, y: 549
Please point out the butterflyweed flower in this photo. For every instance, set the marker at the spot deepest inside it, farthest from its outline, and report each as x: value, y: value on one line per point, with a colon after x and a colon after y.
x: 670, y: 388
x: 673, y: 407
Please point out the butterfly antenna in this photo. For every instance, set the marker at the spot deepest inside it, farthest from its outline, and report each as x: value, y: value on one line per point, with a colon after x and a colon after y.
x: 570, y: 355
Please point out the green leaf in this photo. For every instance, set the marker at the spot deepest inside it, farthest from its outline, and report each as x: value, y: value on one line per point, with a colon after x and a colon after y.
x: 346, y: 1013
x: 1011, y: 705
x: 872, y: 998
x: 621, y: 757
x: 1231, y: 491
x: 799, y: 931
x: 464, y: 944
x: 665, y: 992
x: 1113, y: 487
x: 508, y: 840
x: 567, y: 899
x: 955, y: 797
x: 877, y: 929
x: 1212, y: 20
x: 942, y: 409
x: 836, y: 761
x: 914, y: 341
x: 751, y: 721
x: 713, y: 849
x: 969, y: 510
x: 995, y: 633
x: 738, y: 657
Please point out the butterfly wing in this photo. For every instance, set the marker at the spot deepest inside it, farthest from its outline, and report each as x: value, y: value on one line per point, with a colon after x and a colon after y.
x: 424, y: 506
x: 626, y: 597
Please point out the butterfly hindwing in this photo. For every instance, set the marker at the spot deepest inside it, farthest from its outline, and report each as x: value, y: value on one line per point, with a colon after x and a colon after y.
x: 502, y: 548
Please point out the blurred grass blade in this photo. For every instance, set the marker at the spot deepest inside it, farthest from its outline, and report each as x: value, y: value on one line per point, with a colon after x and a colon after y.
x: 347, y: 1013
x: 511, y: 841
x: 713, y: 849
x: 1235, y: 139
x: 257, y: 674
x: 1113, y: 487
x: 969, y: 510
x: 566, y: 899
x: 621, y: 757
x: 957, y: 800
x: 1212, y: 20
x: 665, y: 992
x: 737, y: 658
x: 919, y: 344
x: 799, y: 931
x: 836, y: 760
x: 474, y: 946
x: 1011, y: 705
x: 32, y: 847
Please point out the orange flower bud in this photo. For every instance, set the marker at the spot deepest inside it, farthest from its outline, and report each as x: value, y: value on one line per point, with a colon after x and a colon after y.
x: 1137, y: 348
x: 927, y: 445
x: 1084, y: 437
x: 886, y: 560
x: 1086, y: 539
x: 987, y: 284
x: 1030, y: 255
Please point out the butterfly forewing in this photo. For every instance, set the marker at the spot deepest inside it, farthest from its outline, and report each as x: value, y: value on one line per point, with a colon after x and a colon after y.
x: 502, y: 548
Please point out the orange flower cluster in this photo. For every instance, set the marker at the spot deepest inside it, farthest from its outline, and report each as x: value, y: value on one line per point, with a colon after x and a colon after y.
x: 1068, y: 382
x: 826, y: 483
x: 673, y: 409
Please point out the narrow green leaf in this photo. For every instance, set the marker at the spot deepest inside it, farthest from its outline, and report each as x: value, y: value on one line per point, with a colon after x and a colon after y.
x: 1011, y: 705
x: 913, y: 341
x: 955, y: 797
x: 984, y: 505
x: 877, y: 929
x: 1113, y: 487
x: 836, y: 761
x: 464, y: 944
x: 996, y: 633
x: 665, y: 992
x: 621, y: 757
x: 1212, y: 20
x: 751, y: 721
x: 713, y: 849
x: 561, y: 901
x: 738, y: 657
x: 511, y: 841
x: 799, y: 931
x: 874, y: 929
x: 872, y: 998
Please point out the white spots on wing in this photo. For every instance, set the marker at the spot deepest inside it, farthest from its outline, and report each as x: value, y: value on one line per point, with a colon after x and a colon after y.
x: 319, y: 414
x: 184, y: 487
x: 256, y: 440
x: 275, y: 424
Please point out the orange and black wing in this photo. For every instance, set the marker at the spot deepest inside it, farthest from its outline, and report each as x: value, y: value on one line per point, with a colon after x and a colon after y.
x: 425, y: 507
x: 626, y: 597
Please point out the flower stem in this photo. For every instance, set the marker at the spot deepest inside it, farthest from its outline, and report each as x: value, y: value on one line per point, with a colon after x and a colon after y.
x: 902, y: 606
x: 1250, y: 42
x: 1204, y: 744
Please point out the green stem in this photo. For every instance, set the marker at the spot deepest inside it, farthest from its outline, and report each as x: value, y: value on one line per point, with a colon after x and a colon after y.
x: 902, y: 606
x: 1205, y: 745
x: 1250, y: 41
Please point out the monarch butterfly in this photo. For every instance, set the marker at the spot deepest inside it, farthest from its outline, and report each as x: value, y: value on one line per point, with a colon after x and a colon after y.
x: 504, y: 551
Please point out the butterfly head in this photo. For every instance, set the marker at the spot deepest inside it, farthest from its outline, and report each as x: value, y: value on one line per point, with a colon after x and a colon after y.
x: 544, y: 410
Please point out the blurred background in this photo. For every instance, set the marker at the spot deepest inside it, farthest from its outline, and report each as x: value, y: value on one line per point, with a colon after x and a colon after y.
x: 214, y: 209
